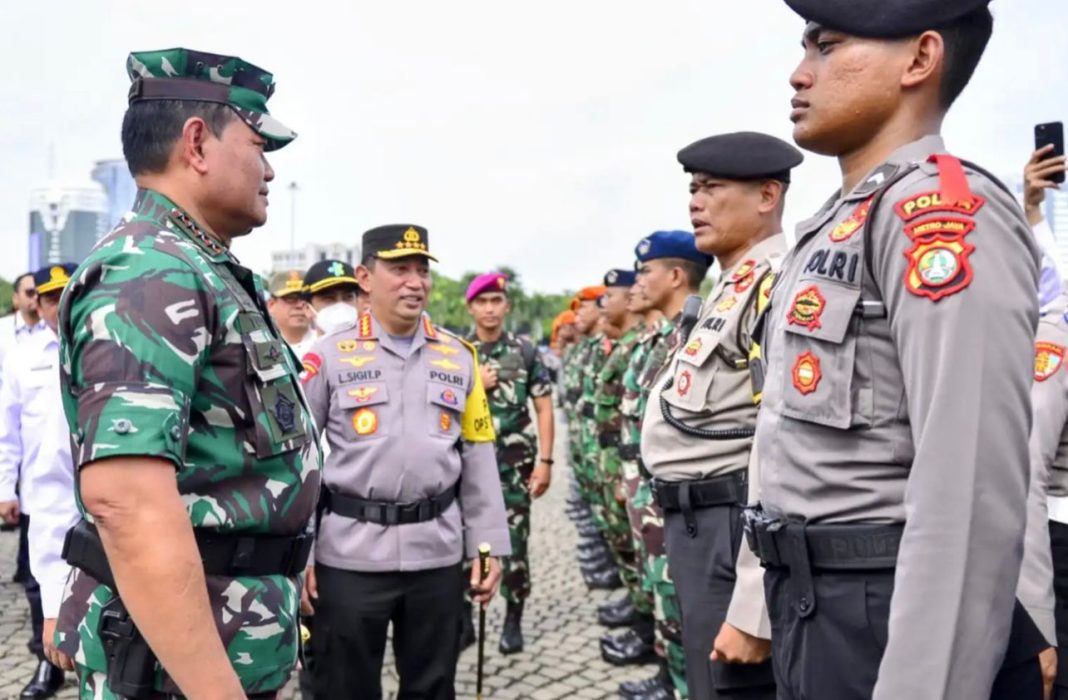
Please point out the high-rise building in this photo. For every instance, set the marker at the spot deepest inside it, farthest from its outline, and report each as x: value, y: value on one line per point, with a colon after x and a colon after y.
x: 303, y: 258
x: 119, y: 186
x: 66, y: 221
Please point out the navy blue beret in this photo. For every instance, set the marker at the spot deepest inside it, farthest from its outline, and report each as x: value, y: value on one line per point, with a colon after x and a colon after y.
x: 670, y: 244
x: 745, y: 155
x: 620, y: 278
x: 884, y: 19
x: 53, y: 277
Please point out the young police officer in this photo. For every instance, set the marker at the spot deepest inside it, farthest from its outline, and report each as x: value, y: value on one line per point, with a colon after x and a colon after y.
x: 893, y: 434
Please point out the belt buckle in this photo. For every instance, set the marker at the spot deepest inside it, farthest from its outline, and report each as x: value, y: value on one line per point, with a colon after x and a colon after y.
x: 242, y: 556
x: 391, y: 513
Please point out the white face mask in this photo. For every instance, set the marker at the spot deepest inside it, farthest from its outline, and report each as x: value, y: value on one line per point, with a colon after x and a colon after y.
x: 336, y: 317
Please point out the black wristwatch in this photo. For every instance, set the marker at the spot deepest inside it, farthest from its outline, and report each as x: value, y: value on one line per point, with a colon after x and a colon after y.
x: 546, y: 460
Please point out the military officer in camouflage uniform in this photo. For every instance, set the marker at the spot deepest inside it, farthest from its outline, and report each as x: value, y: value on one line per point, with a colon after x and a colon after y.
x: 699, y: 420
x: 411, y: 485
x: 197, y: 457
x: 636, y: 644
x: 670, y: 268
x: 513, y: 375
x: 893, y: 434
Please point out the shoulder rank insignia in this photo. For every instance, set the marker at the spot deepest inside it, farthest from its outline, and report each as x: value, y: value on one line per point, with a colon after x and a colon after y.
x: 428, y: 329
x: 745, y: 283
x: 853, y: 223
x: 807, y: 308
x: 364, y: 328
x: 938, y: 259
x: 1048, y: 359
x: 744, y: 269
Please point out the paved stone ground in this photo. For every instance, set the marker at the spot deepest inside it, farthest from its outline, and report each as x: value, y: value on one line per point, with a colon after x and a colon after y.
x: 561, y: 660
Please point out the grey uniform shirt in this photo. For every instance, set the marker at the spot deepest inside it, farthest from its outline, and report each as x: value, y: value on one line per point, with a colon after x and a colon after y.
x: 1049, y: 460
x: 404, y: 424
x: 710, y: 389
x: 918, y: 417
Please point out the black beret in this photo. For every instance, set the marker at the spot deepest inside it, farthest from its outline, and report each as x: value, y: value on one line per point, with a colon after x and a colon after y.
x: 328, y: 273
x: 884, y: 19
x: 745, y: 155
x: 397, y: 241
x: 620, y: 278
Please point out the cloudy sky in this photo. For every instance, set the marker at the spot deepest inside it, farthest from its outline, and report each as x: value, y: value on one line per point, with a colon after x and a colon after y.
x: 541, y: 136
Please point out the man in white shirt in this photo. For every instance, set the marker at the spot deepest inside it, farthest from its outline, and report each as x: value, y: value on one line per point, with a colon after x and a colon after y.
x: 28, y: 396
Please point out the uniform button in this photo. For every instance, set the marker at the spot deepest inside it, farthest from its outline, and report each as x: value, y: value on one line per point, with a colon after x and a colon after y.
x: 802, y: 604
x: 176, y: 432
x: 123, y: 426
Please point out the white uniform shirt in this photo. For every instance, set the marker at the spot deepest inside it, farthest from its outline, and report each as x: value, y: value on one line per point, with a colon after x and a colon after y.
x: 55, y: 510
x: 14, y: 331
x: 30, y: 391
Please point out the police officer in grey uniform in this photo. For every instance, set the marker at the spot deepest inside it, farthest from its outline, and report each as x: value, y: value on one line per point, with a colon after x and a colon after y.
x: 892, y: 438
x: 411, y: 485
x: 1045, y: 573
x: 697, y: 431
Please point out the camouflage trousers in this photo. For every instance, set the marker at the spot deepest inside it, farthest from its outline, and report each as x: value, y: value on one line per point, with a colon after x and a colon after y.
x: 647, y: 528
x: 516, y: 464
x: 92, y: 685
x: 587, y: 472
x: 617, y: 527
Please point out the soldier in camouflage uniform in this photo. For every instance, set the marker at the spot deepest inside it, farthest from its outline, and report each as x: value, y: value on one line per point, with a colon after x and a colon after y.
x: 188, y: 424
x: 634, y: 645
x: 669, y: 269
x: 513, y: 374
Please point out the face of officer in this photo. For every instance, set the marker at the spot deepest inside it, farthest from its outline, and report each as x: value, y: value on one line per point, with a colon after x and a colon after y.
x: 290, y: 313
x: 399, y: 290
x: 231, y: 188
x: 637, y: 302
x: 657, y: 280
x: 614, y: 305
x: 848, y: 88
x: 489, y: 309
x: 566, y: 335
x: 586, y: 316
x: 341, y: 294
x: 728, y: 215
x: 48, y: 305
x: 24, y: 298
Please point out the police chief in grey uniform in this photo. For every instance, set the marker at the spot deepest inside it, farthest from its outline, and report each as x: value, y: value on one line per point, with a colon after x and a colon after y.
x: 893, y: 434
x: 411, y: 485
x: 697, y: 432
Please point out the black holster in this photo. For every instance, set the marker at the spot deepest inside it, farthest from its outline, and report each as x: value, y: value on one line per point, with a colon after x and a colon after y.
x: 131, y: 663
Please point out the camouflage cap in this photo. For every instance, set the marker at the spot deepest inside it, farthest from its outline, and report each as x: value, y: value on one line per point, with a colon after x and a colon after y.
x: 184, y: 74
x: 287, y: 283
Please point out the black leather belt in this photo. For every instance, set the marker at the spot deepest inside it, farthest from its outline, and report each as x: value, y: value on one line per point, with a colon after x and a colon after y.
x: 588, y: 410
x: 223, y: 554
x: 829, y: 547
x: 388, y: 512
x: 630, y: 452
x: 608, y: 438
x: 729, y: 489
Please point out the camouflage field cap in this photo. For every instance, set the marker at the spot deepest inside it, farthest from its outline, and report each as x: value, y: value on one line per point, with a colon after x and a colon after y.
x: 286, y: 283
x: 184, y: 74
